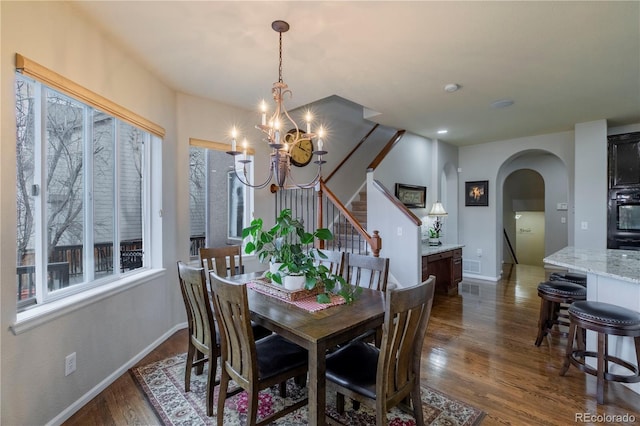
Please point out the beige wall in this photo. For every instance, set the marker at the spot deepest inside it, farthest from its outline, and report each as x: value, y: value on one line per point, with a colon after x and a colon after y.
x: 108, y: 334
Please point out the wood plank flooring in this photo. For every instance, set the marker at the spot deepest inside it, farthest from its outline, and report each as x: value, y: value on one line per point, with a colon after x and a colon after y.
x: 479, y: 348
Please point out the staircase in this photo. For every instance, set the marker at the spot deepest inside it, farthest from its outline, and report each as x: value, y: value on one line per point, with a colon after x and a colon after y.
x: 346, y: 237
x: 359, y: 208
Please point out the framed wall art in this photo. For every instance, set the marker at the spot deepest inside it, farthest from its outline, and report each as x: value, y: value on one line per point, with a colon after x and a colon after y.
x: 412, y: 196
x: 476, y: 193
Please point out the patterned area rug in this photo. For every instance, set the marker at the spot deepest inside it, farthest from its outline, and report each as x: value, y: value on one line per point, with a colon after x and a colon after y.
x: 163, y: 384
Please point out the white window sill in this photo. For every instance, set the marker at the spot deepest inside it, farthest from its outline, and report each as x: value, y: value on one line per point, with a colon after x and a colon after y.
x: 38, y: 315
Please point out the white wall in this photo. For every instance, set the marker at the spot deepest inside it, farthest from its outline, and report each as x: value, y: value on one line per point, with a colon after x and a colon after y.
x: 481, y: 227
x: 400, y: 236
x: 110, y: 333
x: 591, y: 185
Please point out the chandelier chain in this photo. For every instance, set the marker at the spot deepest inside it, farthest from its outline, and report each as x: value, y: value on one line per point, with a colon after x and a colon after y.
x: 280, y: 63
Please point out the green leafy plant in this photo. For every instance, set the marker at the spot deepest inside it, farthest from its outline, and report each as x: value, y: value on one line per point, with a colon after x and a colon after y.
x: 286, y: 243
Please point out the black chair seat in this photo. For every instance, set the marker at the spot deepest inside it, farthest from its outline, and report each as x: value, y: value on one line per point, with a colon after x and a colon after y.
x: 605, y: 313
x: 259, y: 332
x: 572, y: 277
x: 562, y: 288
x: 276, y: 355
x: 354, y: 367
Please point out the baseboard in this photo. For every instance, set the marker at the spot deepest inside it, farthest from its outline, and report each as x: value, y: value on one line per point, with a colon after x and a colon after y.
x: 466, y: 275
x: 84, y: 399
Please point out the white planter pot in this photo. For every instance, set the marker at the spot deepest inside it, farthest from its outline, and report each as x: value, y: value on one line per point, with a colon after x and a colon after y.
x: 294, y: 282
x: 275, y: 267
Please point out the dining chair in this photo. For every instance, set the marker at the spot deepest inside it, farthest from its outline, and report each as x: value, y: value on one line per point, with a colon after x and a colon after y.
x: 366, y: 271
x: 369, y: 272
x: 334, y: 261
x: 216, y: 259
x: 387, y: 376
x: 203, y: 340
x: 252, y: 365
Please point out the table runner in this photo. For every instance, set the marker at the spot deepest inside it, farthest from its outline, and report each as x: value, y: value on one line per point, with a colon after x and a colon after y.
x: 309, y: 304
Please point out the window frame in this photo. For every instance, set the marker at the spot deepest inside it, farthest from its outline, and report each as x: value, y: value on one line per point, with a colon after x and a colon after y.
x: 50, y: 304
x: 248, y: 191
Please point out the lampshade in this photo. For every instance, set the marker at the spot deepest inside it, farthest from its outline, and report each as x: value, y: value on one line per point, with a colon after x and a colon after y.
x: 437, y: 209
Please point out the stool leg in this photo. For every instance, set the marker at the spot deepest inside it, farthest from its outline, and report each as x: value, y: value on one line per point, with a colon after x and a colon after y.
x: 569, y: 350
x: 601, y: 366
x: 543, y: 319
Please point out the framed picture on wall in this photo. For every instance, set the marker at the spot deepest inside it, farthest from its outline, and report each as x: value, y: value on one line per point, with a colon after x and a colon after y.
x: 476, y: 193
x: 412, y: 196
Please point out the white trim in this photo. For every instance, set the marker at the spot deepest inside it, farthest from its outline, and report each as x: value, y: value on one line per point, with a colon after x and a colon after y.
x: 84, y: 399
x: 466, y: 275
x: 36, y: 316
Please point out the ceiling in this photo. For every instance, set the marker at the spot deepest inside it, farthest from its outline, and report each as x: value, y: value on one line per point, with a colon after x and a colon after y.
x: 560, y: 62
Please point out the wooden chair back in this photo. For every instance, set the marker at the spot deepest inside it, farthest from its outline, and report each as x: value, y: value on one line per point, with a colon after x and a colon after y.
x: 367, y: 271
x: 405, y: 324
x: 334, y: 261
x: 216, y: 259
x: 203, y: 345
x: 236, y: 335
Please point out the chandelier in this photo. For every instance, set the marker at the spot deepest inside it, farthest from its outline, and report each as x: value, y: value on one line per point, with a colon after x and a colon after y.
x: 281, y: 142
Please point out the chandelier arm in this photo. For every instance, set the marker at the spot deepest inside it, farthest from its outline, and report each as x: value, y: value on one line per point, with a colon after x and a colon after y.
x: 245, y: 181
x: 312, y: 183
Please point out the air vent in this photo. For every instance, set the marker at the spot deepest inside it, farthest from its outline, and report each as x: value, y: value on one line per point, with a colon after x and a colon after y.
x: 472, y: 289
x: 472, y: 266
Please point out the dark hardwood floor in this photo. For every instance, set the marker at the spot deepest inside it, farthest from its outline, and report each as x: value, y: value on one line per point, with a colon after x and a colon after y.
x: 479, y: 349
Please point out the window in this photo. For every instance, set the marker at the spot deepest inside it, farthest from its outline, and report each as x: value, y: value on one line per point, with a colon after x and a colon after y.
x: 83, y: 194
x: 220, y: 205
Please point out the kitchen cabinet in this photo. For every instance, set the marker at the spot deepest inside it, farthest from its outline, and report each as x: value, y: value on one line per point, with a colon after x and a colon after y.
x: 445, y: 262
x: 624, y: 160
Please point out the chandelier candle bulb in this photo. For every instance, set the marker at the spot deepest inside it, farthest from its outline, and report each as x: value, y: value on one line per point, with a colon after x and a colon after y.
x: 234, y: 134
x: 263, y: 108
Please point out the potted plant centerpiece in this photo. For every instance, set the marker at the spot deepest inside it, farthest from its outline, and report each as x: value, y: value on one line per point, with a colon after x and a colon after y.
x: 286, y: 244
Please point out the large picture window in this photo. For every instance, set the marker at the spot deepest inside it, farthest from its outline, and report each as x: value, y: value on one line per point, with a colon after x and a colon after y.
x: 82, y: 201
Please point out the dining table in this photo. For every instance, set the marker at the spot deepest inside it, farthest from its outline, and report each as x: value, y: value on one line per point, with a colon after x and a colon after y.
x: 316, y: 331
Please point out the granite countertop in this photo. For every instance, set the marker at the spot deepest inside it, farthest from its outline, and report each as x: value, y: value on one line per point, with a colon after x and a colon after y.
x: 619, y: 264
x: 427, y: 249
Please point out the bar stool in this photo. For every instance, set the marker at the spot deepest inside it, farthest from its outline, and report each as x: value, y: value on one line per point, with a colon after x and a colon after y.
x: 552, y: 294
x: 605, y: 319
x: 572, y: 277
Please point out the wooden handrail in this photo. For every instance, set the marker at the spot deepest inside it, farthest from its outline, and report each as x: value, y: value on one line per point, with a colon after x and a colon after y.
x: 415, y: 219
x: 374, y: 241
x: 344, y: 160
x: 383, y: 153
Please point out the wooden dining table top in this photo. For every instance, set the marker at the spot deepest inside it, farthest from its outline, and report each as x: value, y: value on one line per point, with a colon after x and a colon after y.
x: 325, y: 324
x: 316, y: 331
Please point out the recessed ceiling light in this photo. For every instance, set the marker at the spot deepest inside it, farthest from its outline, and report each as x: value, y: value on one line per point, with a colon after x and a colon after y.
x: 502, y: 103
x: 442, y: 132
x: 452, y: 87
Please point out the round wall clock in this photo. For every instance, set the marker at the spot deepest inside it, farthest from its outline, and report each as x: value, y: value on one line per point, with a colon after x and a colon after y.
x: 302, y: 152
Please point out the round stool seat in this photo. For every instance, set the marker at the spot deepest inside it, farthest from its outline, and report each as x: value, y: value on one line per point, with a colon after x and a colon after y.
x: 572, y: 277
x: 552, y: 295
x: 605, y: 319
x: 562, y: 288
x: 606, y: 315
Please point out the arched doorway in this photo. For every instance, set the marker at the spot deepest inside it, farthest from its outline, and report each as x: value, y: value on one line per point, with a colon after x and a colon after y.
x: 523, y: 217
x: 534, y: 181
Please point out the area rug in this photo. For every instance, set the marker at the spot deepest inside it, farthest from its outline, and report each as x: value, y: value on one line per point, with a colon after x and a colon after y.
x: 163, y: 384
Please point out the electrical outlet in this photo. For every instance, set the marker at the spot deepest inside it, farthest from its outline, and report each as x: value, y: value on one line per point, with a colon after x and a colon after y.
x: 479, y: 252
x: 69, y: 364
x: 399, y: 231
x: 584, y: 225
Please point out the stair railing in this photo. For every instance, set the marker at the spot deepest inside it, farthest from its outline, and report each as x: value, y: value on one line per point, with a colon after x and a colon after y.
x: 320, y: 208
